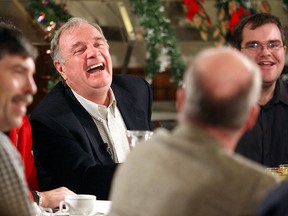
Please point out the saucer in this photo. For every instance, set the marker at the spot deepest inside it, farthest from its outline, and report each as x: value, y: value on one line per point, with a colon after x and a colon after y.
x: 67, y: 214
x: 58, y: 213
x: 102, y: 207
x: 92, y: 214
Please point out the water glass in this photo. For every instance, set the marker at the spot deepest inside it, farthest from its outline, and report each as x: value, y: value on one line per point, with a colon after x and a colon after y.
x: 136, y: 136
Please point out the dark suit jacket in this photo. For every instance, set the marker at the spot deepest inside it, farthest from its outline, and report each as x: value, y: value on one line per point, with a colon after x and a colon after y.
x: 68, y: 148
x: 276, y: 202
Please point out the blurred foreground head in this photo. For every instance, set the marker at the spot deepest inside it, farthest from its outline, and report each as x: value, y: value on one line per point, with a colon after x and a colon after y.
x: 221, y: 86
x: 12, y: 42
x: 17, y: 68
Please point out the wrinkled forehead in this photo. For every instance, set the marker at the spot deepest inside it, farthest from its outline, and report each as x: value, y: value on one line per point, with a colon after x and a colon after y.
x: 83, y: 33
x: 82, y: 30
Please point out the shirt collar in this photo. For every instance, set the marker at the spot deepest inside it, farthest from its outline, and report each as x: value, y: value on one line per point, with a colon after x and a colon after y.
x: 93, y: 108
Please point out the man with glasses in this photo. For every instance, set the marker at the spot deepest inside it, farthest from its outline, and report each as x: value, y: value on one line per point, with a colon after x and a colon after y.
x: 261, y: 38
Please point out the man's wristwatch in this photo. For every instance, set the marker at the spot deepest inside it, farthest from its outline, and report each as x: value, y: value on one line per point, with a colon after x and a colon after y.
x: 37, y: 197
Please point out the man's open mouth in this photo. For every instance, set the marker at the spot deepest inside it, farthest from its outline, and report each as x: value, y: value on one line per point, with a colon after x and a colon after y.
x: 97, y: 67
x: 266, y: 63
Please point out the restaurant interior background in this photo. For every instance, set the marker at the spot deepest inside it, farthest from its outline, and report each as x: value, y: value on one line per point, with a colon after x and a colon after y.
x: 126, y: 36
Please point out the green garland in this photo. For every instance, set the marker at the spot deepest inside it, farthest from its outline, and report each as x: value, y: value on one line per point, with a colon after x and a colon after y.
x: 49, y: 15
x: 160, y: 39
x: 227, y: 11
x: 285, y: 6
x: 162, y: 46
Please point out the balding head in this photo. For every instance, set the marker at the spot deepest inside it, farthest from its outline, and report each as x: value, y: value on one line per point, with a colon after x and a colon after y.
x: 221, y: 87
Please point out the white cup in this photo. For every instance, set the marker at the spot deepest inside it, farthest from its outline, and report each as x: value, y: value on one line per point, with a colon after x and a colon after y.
x: 79, y: 204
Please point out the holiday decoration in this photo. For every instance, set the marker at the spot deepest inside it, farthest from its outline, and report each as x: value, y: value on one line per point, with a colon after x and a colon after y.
x: 285, y: 6
x: 162, y: 46
x: 49, y: 15
x: 229, y: 13
x: 197, y: 16
x: 162, y: 49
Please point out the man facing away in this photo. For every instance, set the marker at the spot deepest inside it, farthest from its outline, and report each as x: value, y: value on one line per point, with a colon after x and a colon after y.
x: 17, y: 88
x: 261, y: 37
x: 193, y: 170
x: 79, y: 128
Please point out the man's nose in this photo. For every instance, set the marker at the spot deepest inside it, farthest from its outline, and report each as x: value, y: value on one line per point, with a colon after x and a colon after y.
x: 31, y: 85
x: 92, y: 50
x: 265, y: 50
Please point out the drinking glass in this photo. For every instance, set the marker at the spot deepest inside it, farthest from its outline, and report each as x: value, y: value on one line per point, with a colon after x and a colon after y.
x: 283, y: 168
x: 136, y: 136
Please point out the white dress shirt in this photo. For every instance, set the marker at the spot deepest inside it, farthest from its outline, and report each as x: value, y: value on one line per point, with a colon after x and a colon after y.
x: 110, y: 124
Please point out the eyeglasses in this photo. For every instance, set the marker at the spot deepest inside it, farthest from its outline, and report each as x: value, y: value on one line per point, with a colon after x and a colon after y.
x: 257, y: 47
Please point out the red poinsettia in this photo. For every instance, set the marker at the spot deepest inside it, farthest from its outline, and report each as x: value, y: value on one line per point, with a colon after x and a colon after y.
x: 236, y: 16
x: 192, y: 8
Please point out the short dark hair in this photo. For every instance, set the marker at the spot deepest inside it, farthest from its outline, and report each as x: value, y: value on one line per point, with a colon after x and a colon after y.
x: 255, y: 20
x: 12, y: 41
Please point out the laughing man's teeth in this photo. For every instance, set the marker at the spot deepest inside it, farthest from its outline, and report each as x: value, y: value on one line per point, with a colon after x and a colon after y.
x: 99, y: 66
x: 265, y: 63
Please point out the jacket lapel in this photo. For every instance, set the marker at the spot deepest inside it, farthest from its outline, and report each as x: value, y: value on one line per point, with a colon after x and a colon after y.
x: 132, y: 115
x: 97, y: 146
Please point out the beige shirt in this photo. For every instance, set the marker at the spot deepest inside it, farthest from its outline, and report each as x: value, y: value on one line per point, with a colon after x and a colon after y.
x: 110, y: 124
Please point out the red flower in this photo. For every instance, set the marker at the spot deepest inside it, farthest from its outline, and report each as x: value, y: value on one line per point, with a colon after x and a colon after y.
x: 240, y: 11
x: 234, y: 20
x: 187, y: 1
x: 246, y: 12
x: 193, y: 9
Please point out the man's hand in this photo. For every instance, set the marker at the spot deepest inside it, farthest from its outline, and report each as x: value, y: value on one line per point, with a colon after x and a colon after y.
x: 52, y: 198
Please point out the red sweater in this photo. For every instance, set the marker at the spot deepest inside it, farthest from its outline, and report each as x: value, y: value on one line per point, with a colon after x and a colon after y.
x: 22, y: 139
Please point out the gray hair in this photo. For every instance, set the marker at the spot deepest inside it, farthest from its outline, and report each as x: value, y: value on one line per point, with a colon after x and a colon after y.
x: 229, y: 112
x: 69, y: 25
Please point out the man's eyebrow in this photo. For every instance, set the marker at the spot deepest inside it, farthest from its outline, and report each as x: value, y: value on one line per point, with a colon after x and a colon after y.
x: 100, y: 38
x: 269, y: 41
x: 275, y: 40
x: 20, y: 66
x: 252, y: 42
x: 77, y: 44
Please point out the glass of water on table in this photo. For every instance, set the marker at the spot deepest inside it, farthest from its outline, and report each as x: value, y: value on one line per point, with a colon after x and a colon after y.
x: 136, y: 136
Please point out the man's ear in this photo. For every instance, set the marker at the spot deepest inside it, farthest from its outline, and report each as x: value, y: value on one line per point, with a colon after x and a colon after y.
x: 180, y: 98
x: 252, y: 117
x: 59, y: 68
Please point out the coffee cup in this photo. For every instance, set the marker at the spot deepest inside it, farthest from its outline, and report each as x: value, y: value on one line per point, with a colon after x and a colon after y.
x: 79, y: 204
